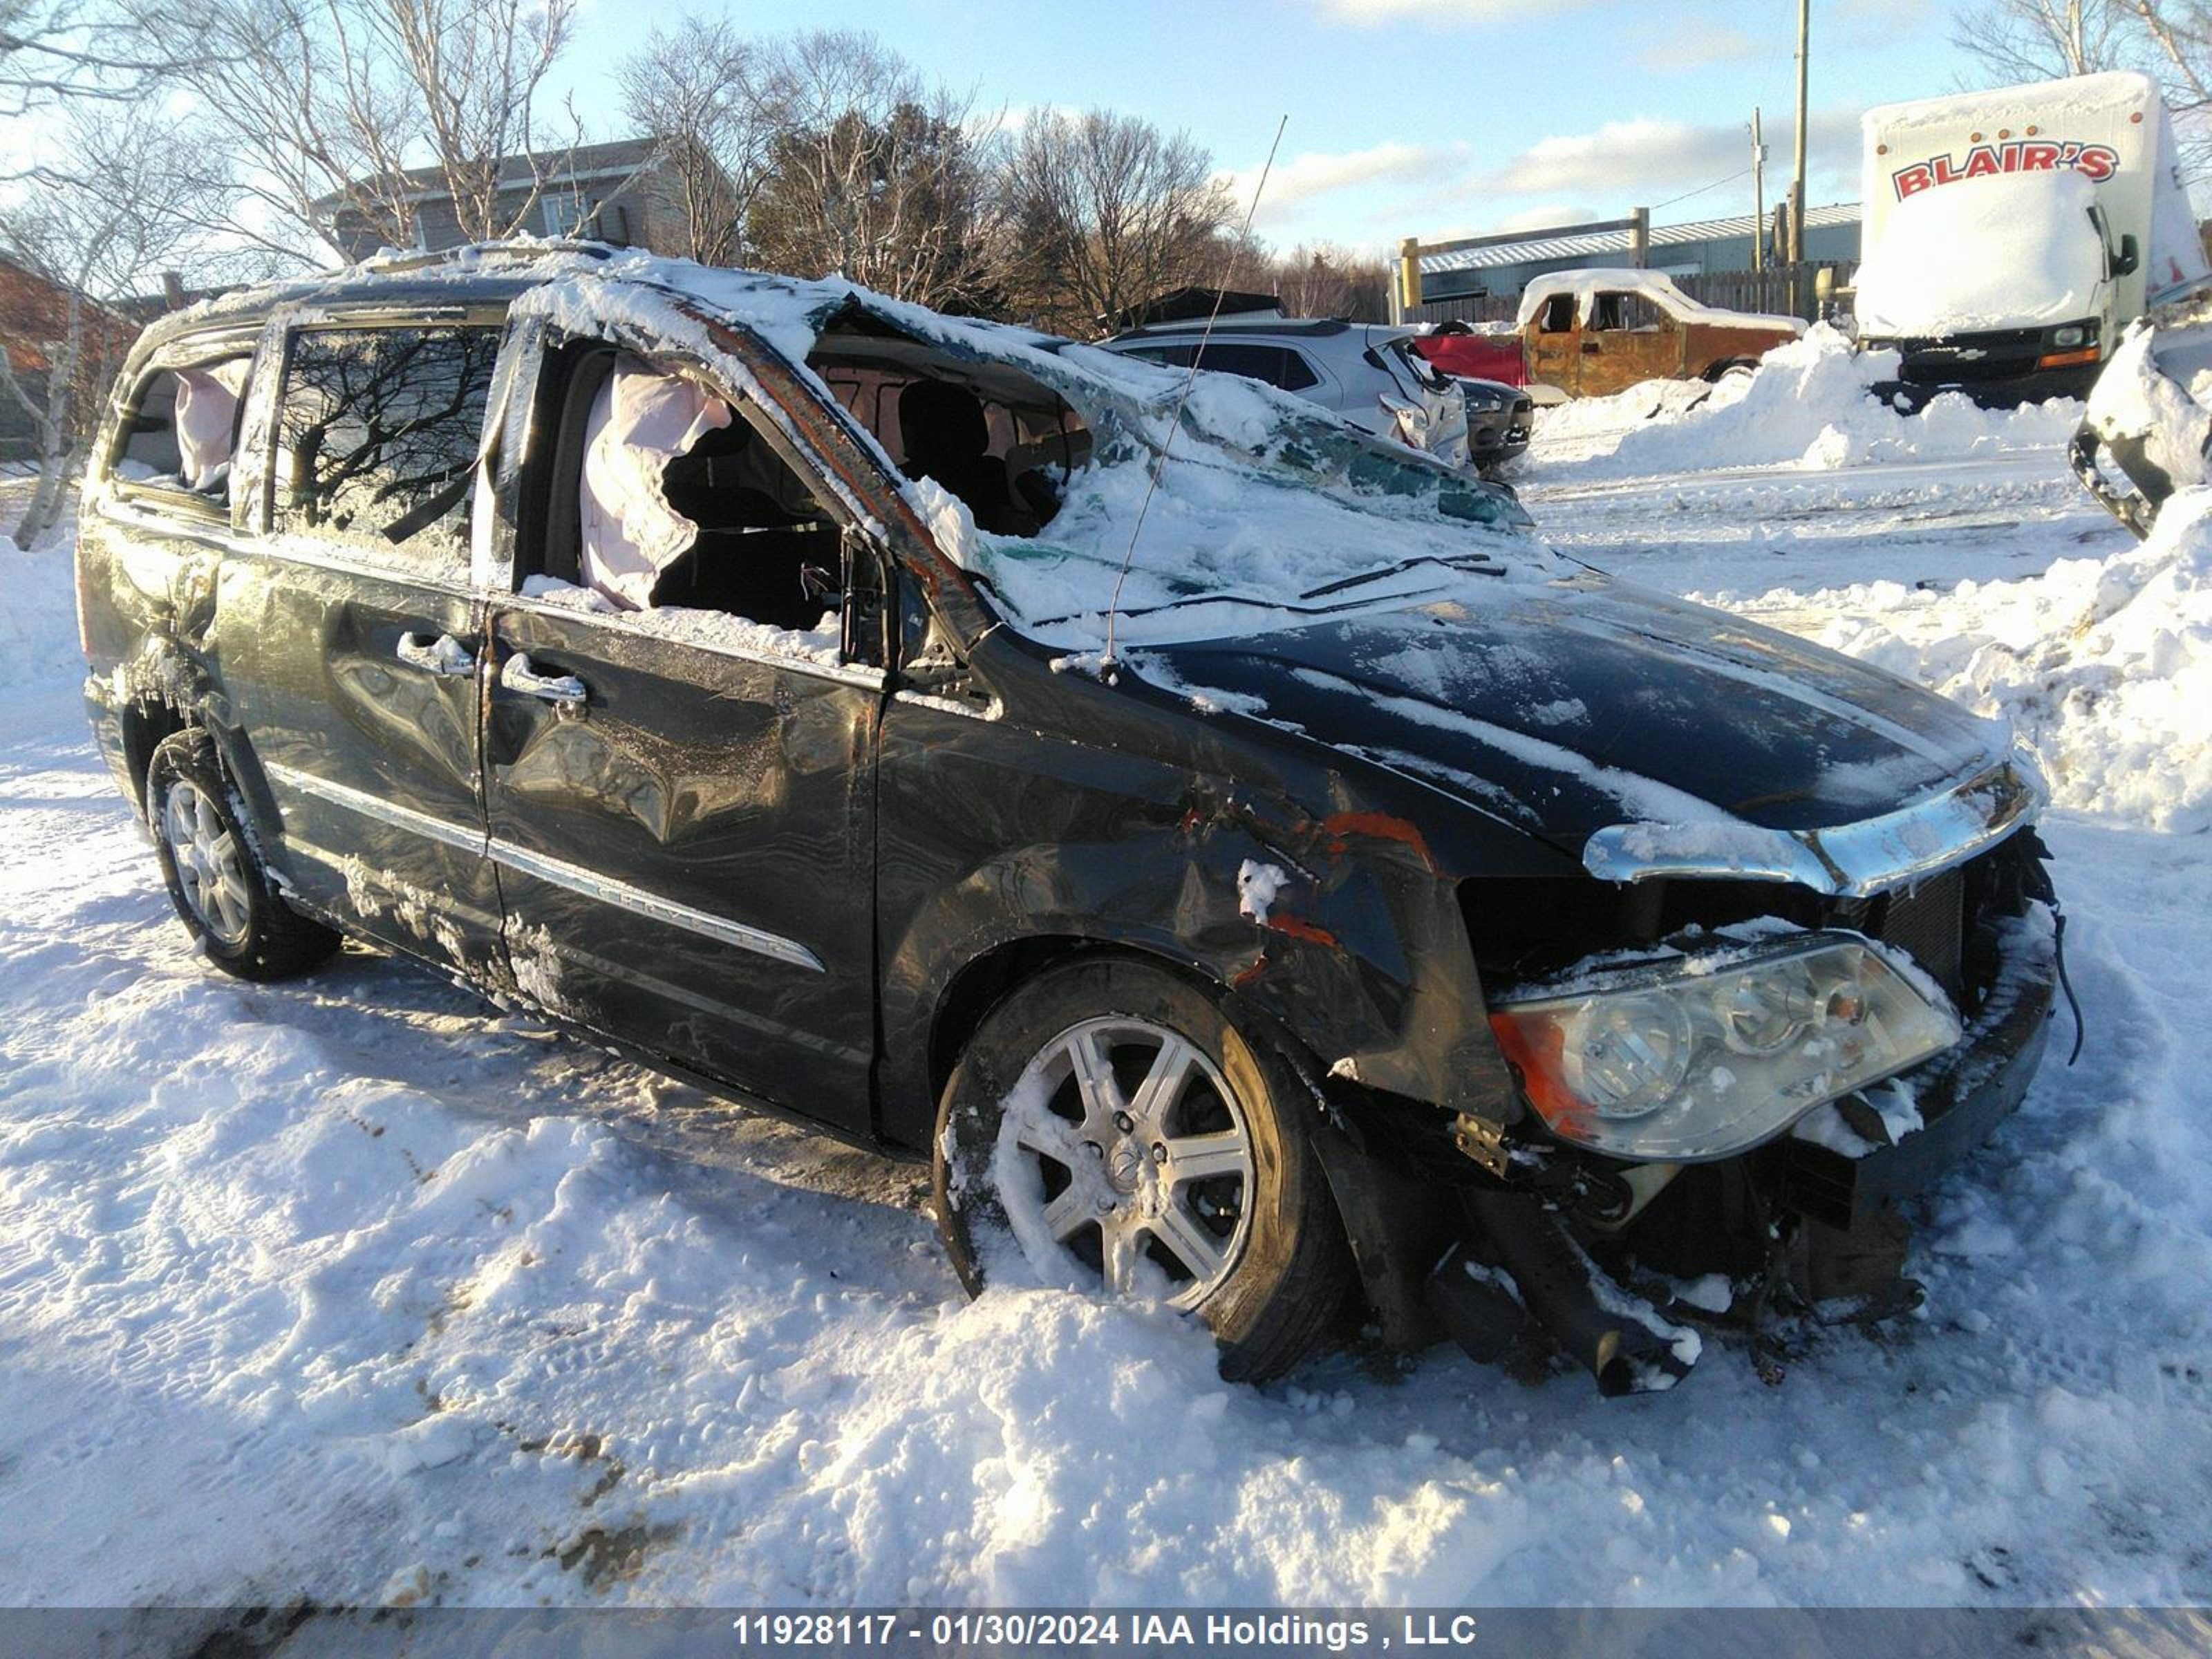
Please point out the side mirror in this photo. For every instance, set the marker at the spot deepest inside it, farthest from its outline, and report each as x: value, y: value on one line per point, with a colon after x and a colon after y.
x: 2130, y: 257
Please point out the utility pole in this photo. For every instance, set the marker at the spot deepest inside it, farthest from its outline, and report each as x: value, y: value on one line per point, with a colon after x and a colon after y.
x: 1797, y: 177
x: 1758, y: 194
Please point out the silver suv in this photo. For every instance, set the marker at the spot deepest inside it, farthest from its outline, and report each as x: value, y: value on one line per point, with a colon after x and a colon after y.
x: 1367, y: 372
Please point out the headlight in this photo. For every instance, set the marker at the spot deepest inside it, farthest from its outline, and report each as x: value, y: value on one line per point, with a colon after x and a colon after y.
x: 1704, y: 1057
x: 1485, y: 398
x: 2072, y: 335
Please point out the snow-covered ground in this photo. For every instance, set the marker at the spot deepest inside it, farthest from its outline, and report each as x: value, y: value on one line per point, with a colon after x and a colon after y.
x: 354, y: 1289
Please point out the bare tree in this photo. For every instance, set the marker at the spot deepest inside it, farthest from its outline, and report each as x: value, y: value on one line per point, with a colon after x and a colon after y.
x: 126, y: 204
x: 1110, y: 211
x: 475, y: 68
x: 2172, y: 40
x: 2180, y: 31
x: 52, y: 49
x: 715, y: 102
x: 1332, y: 282
x: 2044, y: 40
x: 877, y: 177
x: 326, y: 104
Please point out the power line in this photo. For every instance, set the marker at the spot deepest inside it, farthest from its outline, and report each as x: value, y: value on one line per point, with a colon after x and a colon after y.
x: 1701, y: 189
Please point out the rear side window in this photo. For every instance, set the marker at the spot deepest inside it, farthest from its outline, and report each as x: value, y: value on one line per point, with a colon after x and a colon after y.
x: 378, y: 431
x: 1270, y: 363
x: 182, y: 432
x: 1172, y: 356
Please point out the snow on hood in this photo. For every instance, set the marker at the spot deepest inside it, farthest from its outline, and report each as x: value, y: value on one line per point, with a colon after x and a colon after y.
x: 2010, y: 250
x: 2157, y: 390
x: 1572, y: 706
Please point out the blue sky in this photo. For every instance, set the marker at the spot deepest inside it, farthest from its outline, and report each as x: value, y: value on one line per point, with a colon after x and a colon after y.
x: 1429, y: 117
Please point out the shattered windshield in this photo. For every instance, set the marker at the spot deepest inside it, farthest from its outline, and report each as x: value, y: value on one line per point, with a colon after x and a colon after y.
x: 1266, y: 507
x: 1266, y: 503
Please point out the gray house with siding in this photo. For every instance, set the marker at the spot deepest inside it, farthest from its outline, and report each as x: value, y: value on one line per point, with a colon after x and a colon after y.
x: 618, y: 192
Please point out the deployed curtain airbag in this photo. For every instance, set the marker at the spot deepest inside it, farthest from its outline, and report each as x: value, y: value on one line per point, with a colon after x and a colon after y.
x: 642, y: 420
x: 207, y: 420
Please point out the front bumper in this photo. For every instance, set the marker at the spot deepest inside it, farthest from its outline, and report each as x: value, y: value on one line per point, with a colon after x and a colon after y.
x: 1997, y: 371
x: 1962, y: 1095
x: 1498, y: 435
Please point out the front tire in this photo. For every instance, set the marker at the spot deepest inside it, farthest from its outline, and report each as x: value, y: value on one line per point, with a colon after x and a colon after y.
x: 1110, y: 1123
x: 222, y: 892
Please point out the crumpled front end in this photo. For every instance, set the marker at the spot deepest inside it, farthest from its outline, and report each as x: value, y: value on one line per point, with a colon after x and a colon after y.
x: 1617, y: 1221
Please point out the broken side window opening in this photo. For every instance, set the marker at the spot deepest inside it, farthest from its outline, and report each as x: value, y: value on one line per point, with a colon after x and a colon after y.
x: 669, y: 503
x: 183, y: 432
x: 997, y: 438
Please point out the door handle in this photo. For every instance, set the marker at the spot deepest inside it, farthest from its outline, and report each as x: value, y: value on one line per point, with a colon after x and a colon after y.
x: 564, y: 691
x: 444, y: 656
x: 1589, y: 345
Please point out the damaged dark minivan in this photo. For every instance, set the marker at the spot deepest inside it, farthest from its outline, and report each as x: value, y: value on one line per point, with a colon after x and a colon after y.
x: 1253, y: 870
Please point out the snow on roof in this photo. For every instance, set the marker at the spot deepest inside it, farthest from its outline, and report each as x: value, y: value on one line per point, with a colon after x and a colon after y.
x: 1580, y: 245
x: 1586, y: 285
x: 2120, y: 91
x: 1270, y: 496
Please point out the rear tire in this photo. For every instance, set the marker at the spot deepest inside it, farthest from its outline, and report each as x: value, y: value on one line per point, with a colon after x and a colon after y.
x: 1110, y: 1122
x: 221, y: 890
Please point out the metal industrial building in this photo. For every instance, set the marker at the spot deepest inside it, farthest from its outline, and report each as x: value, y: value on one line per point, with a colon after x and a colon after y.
x: 1497, y: 268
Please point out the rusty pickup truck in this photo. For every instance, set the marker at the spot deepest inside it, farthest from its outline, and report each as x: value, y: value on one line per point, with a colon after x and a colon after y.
x: 1590, y: 333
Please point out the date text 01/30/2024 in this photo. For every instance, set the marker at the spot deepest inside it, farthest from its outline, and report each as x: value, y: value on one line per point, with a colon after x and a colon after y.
x: 967, y: 1630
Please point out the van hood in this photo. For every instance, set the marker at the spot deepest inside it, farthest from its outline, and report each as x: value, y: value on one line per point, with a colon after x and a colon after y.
x: 1638, y: 733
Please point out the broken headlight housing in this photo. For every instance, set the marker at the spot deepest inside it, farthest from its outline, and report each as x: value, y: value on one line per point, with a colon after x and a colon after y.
x: 1701, y: 1057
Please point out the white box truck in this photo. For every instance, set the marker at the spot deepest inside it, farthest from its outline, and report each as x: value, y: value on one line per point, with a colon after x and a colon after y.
x: 2010, y: 236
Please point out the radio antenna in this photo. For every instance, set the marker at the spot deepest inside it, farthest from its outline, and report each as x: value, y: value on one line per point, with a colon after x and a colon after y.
x: 1113, y: 606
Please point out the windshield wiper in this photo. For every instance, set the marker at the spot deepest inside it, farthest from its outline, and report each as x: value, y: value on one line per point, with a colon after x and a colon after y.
x: 1479, y: 564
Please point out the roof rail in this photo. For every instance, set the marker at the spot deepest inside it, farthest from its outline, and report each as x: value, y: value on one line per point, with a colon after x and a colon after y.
x: 515, y: 250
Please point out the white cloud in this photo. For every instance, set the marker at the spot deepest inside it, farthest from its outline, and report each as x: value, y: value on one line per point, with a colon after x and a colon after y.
x: 1372, y: 197
x: 1319, y: 173
x: 1699, y: 46
x: 1660, y: 159
x: 1371, y: 14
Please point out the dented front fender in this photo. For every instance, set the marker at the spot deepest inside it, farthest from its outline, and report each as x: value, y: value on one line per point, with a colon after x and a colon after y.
x: 1341, y: 926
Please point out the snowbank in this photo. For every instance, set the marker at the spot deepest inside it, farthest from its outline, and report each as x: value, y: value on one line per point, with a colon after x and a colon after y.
x: 1809, y: 405
x: 37, y: 618
x: 2102, y: 666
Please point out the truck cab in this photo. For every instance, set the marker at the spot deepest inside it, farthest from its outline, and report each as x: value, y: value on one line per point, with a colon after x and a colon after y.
x: 2012, y: 236
x: 1591, y: 333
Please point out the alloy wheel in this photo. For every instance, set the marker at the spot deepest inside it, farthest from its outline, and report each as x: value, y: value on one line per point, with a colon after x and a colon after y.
x: 210, y: 871
x: 1142, y: 1154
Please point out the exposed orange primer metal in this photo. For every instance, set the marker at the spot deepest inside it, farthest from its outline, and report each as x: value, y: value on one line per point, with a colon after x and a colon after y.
x: 1297, y: 928
x: 1340, y: 827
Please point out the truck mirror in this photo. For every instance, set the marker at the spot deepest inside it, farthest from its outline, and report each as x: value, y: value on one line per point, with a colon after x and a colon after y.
x: 2124, y: 264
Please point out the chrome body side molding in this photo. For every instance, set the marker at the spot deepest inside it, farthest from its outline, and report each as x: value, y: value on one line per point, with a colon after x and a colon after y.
x: 576, y: 879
